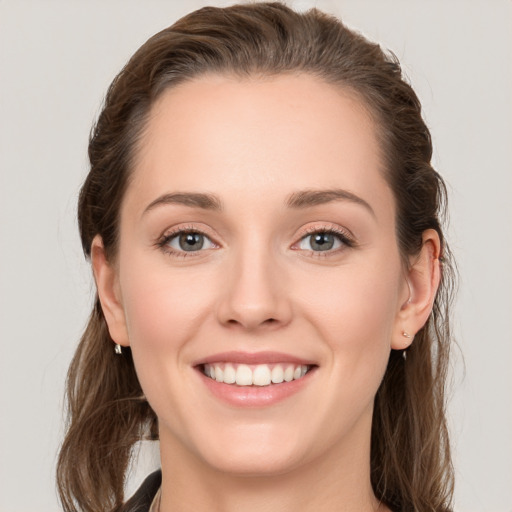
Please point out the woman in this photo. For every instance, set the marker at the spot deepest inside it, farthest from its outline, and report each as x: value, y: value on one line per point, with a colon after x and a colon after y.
x: 263, y: 224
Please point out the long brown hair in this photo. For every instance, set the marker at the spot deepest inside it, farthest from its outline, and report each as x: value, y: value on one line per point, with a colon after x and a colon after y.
x: 410, y: 455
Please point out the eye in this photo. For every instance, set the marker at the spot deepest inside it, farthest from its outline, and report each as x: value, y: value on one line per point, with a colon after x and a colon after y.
x: 324, y: 241
x: 186, y: 241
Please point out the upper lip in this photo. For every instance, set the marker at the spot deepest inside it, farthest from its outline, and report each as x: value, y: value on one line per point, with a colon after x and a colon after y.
x: 253, y: 358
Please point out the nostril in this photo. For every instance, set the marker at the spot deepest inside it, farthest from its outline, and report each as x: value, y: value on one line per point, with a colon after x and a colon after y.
x: 268, y: 321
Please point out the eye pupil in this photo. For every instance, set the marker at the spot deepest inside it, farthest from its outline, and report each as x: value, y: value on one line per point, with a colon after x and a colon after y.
x: 191, y: 241
x: 322, y: 242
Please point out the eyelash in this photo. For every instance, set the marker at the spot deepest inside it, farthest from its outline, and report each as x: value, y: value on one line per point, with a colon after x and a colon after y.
x: 163, y: 242
x: 346, y: 240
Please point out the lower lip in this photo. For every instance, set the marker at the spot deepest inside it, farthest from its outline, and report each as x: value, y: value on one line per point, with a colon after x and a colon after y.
x: 255, y: 396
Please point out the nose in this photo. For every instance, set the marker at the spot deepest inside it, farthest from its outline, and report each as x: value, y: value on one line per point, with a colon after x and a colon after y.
x: 254, y: 294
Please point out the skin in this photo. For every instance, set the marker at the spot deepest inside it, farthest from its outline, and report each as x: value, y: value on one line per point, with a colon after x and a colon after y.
x: 258, y: 286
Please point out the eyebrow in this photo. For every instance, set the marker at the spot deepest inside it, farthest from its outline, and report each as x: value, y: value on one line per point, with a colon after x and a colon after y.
x: 308, y: 198
x: 297, y: 200
x: 192, y: 199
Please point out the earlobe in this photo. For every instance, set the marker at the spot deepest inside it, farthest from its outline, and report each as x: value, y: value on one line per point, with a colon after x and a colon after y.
x: 106, y: 278
x: 422, y: 277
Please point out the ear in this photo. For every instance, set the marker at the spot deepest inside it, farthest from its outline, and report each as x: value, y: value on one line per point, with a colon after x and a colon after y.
x: 423, y: 277
x: 107, y: 284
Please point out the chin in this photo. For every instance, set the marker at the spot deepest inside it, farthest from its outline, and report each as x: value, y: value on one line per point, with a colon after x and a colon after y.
x: 265, y: 463
x: 256, y: 450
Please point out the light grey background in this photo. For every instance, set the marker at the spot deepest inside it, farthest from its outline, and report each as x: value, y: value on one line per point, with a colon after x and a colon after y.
x: 57, y: 58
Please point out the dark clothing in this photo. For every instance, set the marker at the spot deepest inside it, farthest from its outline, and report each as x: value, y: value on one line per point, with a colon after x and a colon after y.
x: 142, y: 499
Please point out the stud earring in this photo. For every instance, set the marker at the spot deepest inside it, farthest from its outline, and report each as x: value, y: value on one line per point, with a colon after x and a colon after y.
x: 118, y: 349
x: 406, y: 334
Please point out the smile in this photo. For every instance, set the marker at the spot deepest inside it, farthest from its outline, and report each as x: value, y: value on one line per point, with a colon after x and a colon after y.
x: 255, y: 375
x: 258, y: 379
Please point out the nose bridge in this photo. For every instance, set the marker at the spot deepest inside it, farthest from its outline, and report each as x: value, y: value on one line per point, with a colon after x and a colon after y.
x: 254, y: 293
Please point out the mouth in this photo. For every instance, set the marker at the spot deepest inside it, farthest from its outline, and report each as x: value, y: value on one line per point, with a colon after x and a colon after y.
x: 261, y: 379
x: 256, y: 374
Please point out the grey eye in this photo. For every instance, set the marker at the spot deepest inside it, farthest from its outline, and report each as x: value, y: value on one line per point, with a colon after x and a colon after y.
x: 321, y: 241
x: 190, y: 241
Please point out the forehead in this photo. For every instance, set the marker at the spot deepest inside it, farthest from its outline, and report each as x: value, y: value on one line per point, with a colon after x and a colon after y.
x: 258, y: 137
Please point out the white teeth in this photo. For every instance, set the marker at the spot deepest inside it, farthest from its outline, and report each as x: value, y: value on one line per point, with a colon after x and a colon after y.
x: 243, y: 375
x: 262, y: 376
x: 277, y: 374
x: 288, y: 373
x: 229, y: 374
x: 257, y: 375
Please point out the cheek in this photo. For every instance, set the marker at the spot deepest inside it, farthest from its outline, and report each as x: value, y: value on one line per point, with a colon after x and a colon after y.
x: 155, y: 315
x: 163, y: 312
x: 161, y: 306
x: 354, y: 309
x: 355, y: 300
x: 357, y: 324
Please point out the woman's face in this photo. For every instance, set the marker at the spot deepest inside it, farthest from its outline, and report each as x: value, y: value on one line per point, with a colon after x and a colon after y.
x: 257, y: 242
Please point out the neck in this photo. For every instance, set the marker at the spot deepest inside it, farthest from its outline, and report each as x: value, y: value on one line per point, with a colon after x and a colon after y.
x: 337, y: 481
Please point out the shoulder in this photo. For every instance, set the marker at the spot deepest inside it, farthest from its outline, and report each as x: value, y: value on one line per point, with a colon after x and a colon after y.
x: 142, y: 499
